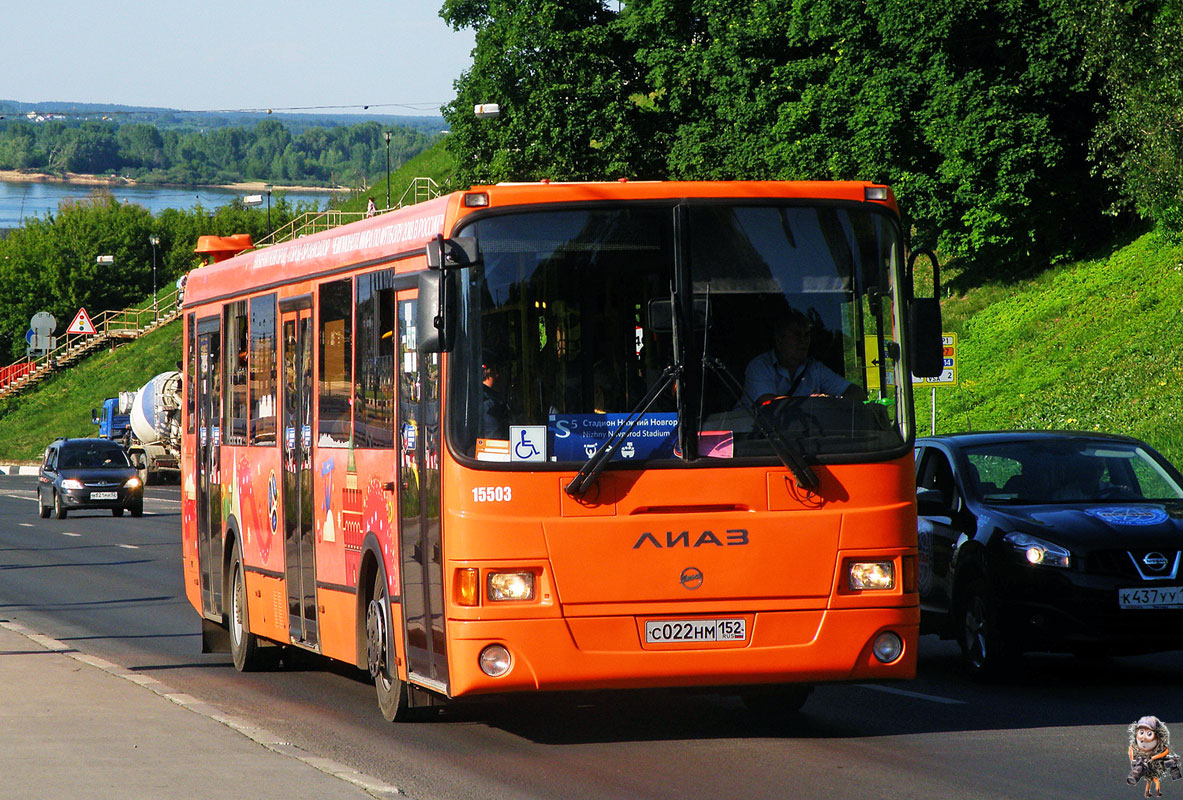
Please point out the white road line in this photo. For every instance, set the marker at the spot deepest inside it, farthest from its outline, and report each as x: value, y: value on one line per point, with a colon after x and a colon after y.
x: 67, y: 533
x: 130, y: 546
x: 932, y: 698
x: 27, y: 525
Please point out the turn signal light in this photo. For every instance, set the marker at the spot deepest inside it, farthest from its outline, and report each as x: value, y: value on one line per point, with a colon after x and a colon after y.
x: 468, y: 587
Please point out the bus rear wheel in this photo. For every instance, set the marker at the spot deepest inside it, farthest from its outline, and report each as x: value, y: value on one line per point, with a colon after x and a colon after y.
x: 392, y: 692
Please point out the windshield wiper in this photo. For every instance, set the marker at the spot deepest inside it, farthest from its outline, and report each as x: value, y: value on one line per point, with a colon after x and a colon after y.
x: 806, y: 478
x: 595, y: 465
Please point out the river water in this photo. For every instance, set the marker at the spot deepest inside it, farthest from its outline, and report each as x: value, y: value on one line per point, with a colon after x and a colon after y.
x: 20, y: 201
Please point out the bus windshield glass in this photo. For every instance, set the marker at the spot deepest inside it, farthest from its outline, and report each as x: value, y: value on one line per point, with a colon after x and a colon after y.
x: 780, y: 323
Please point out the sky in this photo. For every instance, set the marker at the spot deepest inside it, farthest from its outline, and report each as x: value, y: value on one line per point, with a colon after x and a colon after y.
x: 397, y: 56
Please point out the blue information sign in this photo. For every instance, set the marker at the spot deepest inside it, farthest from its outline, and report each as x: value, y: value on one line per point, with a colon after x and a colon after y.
x: 576, y: 437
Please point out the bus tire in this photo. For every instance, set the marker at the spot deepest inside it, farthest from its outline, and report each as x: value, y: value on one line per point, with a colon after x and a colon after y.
x: 393, y: 699
x: 244, y: 645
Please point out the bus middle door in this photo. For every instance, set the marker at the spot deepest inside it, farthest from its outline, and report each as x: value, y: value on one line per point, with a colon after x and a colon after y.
x: 208, y: 484
x: 296, y: 425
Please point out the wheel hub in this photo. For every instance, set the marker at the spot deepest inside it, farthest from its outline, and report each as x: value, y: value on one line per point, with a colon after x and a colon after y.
x: 376, y: 638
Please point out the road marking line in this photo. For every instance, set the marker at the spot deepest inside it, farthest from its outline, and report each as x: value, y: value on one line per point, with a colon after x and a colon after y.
x: 130, y: 546
x: 67, y: 533
x: 905, y: 693
x: 27, y: 525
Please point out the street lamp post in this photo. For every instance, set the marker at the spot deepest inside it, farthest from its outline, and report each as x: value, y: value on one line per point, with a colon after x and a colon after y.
x: 267, y: 188
x: 386, y: 135
x: 154, y: 240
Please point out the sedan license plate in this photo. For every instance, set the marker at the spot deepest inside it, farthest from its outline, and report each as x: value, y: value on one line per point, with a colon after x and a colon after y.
x: 104, y: 495
x: 662, y: 631
x: 1151, y: 597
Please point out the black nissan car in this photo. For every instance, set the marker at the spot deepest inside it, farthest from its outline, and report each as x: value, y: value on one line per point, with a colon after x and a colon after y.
x: 1048, y: 541
x: 88, y: 473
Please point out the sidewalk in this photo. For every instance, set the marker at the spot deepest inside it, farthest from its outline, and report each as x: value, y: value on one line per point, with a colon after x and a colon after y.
x: 75, y: 726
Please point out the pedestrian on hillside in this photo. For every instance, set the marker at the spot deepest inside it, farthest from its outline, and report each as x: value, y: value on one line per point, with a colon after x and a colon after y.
x: 371, y: 208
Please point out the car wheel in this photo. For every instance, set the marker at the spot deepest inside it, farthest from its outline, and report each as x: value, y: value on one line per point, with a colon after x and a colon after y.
x: 117, y: 512
x: 59, y: 510
x: 41, y: 507
x: 244, y: 645
x: 137, y: 508
x: 393, y: 700
x: 986, y: 650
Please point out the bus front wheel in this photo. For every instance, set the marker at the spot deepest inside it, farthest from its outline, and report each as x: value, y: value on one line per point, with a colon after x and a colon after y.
x: 392, y: 692
x: 244, y: 645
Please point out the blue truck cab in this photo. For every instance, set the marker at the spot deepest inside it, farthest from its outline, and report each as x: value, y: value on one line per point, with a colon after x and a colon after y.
x: 112, y: 425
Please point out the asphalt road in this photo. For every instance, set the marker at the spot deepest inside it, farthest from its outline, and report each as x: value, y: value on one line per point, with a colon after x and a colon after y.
x: 112, y: 587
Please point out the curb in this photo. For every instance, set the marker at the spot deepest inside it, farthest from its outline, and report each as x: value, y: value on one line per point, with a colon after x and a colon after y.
x: 16, y: 470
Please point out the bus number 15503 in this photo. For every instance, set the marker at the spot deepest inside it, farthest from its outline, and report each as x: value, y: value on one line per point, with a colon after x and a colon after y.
x: 491, y: 494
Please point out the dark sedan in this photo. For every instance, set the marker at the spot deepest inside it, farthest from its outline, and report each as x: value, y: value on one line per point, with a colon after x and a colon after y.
x: 88, y: 473
x: 1048, y: 541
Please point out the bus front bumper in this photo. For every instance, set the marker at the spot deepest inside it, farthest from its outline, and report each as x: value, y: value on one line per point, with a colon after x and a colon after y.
x: 611, y: 652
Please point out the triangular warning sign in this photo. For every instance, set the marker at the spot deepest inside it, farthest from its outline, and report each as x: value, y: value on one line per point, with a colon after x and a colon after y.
x: 81, y: 323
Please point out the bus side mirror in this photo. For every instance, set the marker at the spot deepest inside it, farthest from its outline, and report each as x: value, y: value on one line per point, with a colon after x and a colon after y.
x: 433, y: 332
x: 924, y: 317
x: 443, y: 254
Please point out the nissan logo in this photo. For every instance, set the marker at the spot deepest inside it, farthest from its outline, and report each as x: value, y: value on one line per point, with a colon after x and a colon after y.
x: 1155, y: 561
x: 691, y: 578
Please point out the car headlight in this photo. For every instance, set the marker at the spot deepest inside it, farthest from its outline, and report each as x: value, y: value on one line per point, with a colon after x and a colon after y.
x: 1038, y: 551
x: 132, y: 483
x: 511, y: 586
x: 72, y: 483
x: 864, y: 575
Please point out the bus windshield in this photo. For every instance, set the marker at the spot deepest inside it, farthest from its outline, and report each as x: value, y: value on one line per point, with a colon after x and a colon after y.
x: 778, y: 320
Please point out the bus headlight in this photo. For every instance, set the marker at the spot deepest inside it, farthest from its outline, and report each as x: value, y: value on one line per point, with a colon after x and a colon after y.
x: 870, y: 575
x: 510, y: 586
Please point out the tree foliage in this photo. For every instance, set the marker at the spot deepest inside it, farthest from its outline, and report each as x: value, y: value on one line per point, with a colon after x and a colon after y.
x: 50, y: 264
x: 268, y: 151
x: 977, y: 112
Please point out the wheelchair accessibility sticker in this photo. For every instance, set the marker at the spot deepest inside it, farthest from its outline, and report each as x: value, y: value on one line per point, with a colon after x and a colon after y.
x: 527, y: 443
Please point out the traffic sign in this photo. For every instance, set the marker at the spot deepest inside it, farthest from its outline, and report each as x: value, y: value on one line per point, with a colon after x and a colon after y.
x: 81, y: 323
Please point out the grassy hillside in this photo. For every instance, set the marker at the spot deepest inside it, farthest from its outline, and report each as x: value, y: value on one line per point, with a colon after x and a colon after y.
x: 1093, y: 345
x: 435, y: 162
x: 61, y: 405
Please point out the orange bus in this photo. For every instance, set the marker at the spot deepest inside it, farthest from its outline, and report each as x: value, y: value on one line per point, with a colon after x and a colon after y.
x: 551, y: 437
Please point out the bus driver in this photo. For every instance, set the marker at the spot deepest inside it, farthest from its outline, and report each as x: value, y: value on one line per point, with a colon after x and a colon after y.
x: 787, y: 370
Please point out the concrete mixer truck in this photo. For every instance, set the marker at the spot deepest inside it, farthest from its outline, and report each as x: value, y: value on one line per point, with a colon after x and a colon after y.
x: 152, y: 431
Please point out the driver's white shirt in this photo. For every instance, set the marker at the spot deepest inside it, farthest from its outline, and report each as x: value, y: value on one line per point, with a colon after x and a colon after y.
x: 765, y: 375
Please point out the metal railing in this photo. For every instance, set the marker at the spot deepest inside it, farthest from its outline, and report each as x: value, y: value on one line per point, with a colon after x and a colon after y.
x: 310, y: 222
x: 128, y: 323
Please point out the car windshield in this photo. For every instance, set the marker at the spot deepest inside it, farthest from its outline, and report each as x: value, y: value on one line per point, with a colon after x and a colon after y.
x: 574, y: 317
x: 99, y: 455
x: 1043, y: 471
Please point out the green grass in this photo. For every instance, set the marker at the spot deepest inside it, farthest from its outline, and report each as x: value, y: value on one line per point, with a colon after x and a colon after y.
x: 60, y: 406
x: 435, y: 162
x: 1093, y: 345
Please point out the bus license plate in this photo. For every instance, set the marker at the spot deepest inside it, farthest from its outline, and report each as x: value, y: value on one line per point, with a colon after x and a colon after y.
x: 695, y: 630
x: 1151, y: 597
x: 104, y: 495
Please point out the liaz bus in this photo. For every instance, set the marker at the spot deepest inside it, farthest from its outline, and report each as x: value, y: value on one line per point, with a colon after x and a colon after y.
x: 515, y: 439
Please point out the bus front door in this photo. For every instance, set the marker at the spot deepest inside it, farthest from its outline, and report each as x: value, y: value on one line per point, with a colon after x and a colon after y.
x: 421, y: 556
x: 208, y: 484
x: 296, y: 424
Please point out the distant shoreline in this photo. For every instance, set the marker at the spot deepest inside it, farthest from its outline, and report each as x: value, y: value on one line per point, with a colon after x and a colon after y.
x: 17, y: 176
